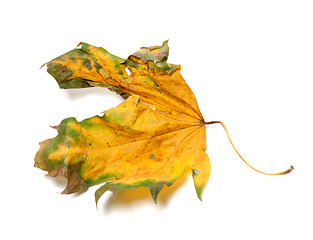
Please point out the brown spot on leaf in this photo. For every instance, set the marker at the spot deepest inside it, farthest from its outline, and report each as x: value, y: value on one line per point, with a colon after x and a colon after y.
x: 97, y: 65
x: 63, y: 73
x: 75, y: 182
x: 87, y: 64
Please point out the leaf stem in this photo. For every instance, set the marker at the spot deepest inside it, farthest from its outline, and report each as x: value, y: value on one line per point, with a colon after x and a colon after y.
x: 231, y: 142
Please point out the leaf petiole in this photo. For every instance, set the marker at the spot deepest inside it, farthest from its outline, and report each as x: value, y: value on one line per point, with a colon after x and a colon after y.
x: 231, y: 142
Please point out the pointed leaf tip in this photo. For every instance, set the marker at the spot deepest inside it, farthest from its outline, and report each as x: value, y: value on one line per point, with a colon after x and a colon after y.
x: 79, y: 44
x: 155, y: 190
x: 99, y: 192
x: 43, y: 65
x: 199, y: 193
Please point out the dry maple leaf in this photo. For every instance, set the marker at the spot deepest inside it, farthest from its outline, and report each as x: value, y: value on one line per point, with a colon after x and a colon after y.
x: 148, y: 140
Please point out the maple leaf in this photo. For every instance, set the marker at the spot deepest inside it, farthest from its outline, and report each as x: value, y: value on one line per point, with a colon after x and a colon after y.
x: 148, y: 140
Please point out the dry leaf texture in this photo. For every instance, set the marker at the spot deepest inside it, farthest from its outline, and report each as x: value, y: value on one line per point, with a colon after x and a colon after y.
x: 148, y: 140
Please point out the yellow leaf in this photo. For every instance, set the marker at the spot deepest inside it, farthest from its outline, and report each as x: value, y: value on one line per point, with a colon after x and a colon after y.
x: 131, y: 145
x: 149, y: 140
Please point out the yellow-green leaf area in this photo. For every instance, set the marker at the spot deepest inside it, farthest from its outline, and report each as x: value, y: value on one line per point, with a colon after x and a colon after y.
x: 149, y: 140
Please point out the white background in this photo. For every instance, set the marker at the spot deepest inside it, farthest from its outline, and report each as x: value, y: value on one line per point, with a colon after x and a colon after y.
x: 249, y: 64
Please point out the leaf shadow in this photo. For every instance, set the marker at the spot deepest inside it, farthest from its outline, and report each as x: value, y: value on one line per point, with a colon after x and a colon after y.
x: 60, y: 183
x: 75, y: 94
x: 133, y: 198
